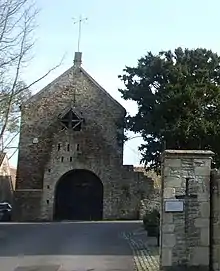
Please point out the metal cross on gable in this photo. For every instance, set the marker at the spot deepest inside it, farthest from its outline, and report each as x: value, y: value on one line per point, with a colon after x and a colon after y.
x: 74, y: 96
x: 79, y: 21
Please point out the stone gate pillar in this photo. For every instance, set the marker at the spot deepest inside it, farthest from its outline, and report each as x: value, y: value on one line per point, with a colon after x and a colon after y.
x: 185, y: 210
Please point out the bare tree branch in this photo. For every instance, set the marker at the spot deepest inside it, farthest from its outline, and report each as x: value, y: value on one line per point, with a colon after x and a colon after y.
x: 22, y: 52
x: 34, y: 82
x: 133, y: 137
x: 39, y: 79
x: 17, y: 23
x: 10, y: 141
x: 14, y: 152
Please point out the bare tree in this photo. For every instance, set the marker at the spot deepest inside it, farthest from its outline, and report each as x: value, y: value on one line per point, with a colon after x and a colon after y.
x: 17, y: 25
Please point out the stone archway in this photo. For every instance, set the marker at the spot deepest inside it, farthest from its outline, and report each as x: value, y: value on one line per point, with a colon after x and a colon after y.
x: 78, y: 196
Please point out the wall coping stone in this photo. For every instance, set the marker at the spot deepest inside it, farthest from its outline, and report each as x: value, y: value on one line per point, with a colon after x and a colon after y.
x: 29, y: 190
x: 203, y: 153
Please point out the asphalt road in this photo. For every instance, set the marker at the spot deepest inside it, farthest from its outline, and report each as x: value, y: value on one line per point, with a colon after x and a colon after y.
x: 66, y: 246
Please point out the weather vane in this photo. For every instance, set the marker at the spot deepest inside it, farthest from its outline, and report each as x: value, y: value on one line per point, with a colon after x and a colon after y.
x: 79, y: 21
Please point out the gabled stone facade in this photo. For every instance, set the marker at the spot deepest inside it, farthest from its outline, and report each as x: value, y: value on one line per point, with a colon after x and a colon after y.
x: 47, y: 149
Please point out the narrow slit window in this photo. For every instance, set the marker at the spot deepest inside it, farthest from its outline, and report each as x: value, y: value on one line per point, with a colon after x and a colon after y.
x: 68, y: 147
x: 58, y: 147
x: 77, y: 147
x: 62, y: 158
x: 71, y: 158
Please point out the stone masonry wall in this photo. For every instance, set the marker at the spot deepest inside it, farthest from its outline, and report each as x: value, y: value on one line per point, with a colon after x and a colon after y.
x: 41, y: 164
x: 97, y: 140
x: 26, y: 205
x: 215, y: 216
x: 40, y: 120
x: 185, y: 232
x: 6, y: 189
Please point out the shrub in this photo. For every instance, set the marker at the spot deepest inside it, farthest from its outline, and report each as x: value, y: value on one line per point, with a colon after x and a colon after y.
x: 151, y: 221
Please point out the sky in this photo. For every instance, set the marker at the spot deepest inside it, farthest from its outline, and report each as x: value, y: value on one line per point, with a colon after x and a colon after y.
x: 117, y: 34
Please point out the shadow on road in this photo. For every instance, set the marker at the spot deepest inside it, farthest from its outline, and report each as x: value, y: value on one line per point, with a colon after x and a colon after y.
x: 65, y: 238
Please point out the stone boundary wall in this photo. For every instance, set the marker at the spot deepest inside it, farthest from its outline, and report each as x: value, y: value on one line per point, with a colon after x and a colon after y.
x: 185, y: 243
x: 25, y: 207
x: 215, y: 219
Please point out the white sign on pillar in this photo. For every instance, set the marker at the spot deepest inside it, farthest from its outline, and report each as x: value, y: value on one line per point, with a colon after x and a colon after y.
x: 174, y: 205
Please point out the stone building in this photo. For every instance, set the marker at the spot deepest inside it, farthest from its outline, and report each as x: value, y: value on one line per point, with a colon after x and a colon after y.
x: 70, y: 163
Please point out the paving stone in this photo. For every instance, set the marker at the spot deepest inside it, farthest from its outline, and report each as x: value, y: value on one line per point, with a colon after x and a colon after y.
x: 145, y: 257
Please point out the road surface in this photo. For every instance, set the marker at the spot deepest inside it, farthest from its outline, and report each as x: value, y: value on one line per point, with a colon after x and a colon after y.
x: 66, y: 246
